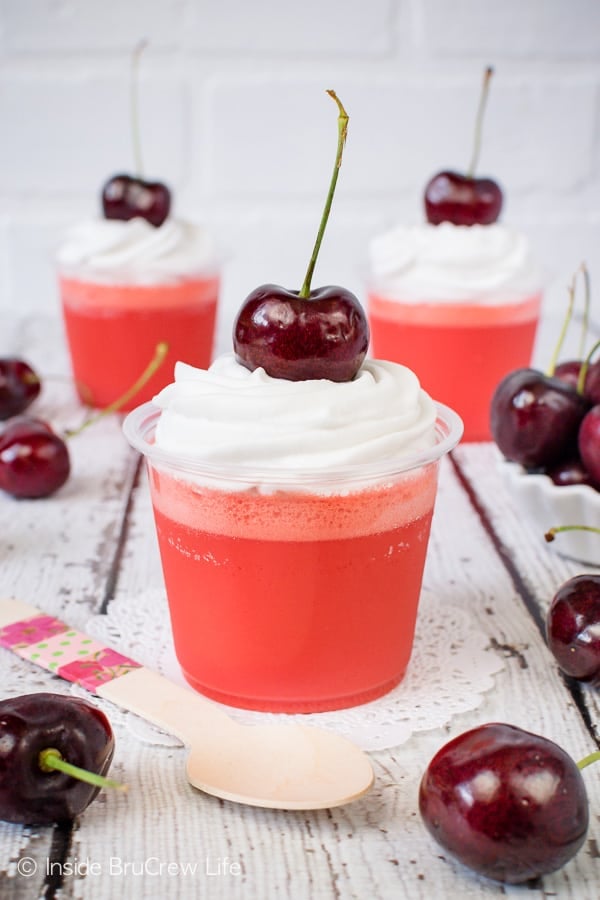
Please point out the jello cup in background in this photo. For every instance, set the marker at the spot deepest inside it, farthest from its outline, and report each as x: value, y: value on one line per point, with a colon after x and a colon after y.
x: 125, y: 288
x: 458, y: 304
x: 293, y: 520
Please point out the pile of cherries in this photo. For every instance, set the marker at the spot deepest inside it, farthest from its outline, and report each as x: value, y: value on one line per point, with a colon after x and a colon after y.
x: 460, y: 197
x: 550, y: 422
x: 34, y: 460
x: 509, y: 804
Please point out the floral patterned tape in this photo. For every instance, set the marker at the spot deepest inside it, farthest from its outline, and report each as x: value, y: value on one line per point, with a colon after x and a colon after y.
x: 66, y: 652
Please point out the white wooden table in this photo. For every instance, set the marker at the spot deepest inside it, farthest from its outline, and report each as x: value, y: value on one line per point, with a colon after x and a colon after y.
x: 75, y: 553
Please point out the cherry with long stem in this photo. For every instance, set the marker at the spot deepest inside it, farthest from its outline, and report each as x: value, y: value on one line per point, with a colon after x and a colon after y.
x: 313, y: 333
x: 125, y: 196
x: 461, y: 198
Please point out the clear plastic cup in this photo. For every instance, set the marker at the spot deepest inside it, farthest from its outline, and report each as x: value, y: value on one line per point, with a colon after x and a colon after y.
x: 113, y: 330
x: 292, y: 592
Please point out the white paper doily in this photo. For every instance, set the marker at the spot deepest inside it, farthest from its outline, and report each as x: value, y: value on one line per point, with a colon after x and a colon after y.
x: 451, y: 667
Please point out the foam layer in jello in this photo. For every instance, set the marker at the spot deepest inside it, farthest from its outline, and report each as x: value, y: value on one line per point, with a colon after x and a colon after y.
x: 296, y: 515
x: 90, y: 295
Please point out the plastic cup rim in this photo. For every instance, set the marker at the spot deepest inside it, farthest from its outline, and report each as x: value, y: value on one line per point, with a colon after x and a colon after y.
x: 140, y: 422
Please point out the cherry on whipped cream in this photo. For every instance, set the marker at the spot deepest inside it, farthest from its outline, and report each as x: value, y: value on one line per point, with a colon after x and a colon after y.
x: 128, y: 196
x: 310, y: 333
x: 461, y: 198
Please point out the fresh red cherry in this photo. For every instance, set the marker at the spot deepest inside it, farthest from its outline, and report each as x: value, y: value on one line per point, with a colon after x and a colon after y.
x: 38, y: 786
x: 568, y: 371
x: 297, y: 339
x: 535, y: 418
x: 591, y: 390
x: 305, y: 334
x: 34, y: 461
x: 125, y: 197
x: 507, y: 803
x: 573, y: 627
x: 460, y: 198
x: 19, y: 386
x: 589, y: 443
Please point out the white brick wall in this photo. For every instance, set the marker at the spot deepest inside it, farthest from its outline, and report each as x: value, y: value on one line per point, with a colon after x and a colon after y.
x: 235, y: 118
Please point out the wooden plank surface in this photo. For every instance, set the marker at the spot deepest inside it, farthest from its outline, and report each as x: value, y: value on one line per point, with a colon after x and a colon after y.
x: 94, y: 544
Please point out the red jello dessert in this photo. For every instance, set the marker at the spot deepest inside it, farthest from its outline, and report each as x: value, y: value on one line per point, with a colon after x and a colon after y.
x: 128, y: 286
x: 293, y: 520
x: 458, y: 304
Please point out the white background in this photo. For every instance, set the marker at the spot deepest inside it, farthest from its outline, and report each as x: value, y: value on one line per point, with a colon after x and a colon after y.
x: 235, y: 118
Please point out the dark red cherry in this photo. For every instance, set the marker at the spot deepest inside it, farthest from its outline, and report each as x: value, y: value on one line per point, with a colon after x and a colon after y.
x: 462, y: 199
x: 19, y: 386
x: 573, y: 627
x: 568, y: 371
x: 589, y: 443
x: 509, y: 804
x: 310, y: 333
x: 34, y: 461
x: 125, y: 197
x: 591, y: 389
x: 323, y: 336
x: 535, y: 418
x: 33, y: 723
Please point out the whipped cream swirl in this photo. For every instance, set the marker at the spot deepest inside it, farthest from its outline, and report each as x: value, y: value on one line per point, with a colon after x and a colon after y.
x: 134, y: 251
x: 230, y: 416
x: 446, y: 262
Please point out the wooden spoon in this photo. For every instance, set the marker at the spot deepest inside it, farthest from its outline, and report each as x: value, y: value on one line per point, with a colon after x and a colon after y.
x: 281, y: 766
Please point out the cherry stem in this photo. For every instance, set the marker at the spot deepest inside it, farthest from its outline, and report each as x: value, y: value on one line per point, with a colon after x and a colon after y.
x: 342, y: 134
x: 485, y: 89
x: 157, y: 360
x: 51, y: 760
x: 552, y: 532
x: 588, y: 760
x: 135, y: 118
x: 586, y: 309
x: 584, y: 368
x: 565, y: 327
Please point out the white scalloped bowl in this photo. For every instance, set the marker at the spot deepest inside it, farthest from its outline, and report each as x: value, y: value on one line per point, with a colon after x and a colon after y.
x: 547, y: 506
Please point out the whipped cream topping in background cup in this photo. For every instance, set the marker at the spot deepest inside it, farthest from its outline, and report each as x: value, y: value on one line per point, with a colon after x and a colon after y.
x: 293, y: 520
x: 126, y: 287
x: 458, y: 304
